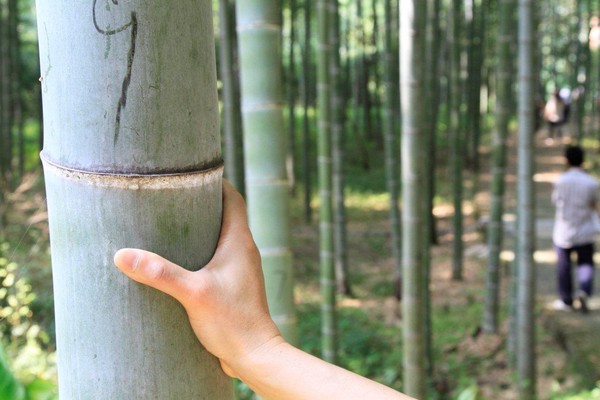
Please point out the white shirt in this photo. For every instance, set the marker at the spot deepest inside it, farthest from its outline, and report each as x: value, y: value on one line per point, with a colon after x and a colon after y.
x: 575, y: 196
x: 565, y: 95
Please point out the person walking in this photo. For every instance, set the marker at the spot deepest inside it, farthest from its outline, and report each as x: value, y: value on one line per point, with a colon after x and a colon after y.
x: 566, y: 96
x: 554, y: 113
x: 575, y: 196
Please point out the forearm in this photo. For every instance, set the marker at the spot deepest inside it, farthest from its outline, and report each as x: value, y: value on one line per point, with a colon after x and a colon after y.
x: 283, y: 372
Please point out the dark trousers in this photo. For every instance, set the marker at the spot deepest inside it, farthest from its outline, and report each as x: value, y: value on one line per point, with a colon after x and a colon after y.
x: 584, y: 271
x: 555, y: 130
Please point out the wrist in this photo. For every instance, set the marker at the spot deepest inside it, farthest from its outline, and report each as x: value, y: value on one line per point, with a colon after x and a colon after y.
x: 247, y: 362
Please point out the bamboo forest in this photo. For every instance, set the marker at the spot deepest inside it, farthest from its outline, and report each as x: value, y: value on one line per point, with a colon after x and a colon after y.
x: 402, y: 165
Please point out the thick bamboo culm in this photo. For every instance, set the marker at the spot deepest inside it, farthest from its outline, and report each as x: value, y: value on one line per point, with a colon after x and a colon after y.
x: 131, y: 159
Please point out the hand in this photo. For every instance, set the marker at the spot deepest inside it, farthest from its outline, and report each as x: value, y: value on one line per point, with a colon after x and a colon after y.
x: 225, y: 301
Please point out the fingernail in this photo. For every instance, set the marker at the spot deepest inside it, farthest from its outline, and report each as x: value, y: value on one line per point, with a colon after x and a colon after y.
x: 127, y: 259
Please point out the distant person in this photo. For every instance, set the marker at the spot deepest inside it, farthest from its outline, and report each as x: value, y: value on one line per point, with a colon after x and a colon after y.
x: 554, y: 113
x: 539, y: 105
x: 575, y: 196
x: 227, y: 307
x: 566, y: 96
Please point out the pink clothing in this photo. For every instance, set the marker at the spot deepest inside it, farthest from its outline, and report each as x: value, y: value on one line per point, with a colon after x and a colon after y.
x: 554, y: 110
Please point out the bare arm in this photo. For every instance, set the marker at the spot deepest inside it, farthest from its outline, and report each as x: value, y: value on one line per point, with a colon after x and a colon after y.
x: 227, y: 307
x: 285, y: 372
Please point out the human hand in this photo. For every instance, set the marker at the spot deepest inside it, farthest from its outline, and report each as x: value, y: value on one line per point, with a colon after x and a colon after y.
x: 225, y: 301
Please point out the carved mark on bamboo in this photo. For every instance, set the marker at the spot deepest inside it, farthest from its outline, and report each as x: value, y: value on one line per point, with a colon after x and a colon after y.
x: 133, y: 23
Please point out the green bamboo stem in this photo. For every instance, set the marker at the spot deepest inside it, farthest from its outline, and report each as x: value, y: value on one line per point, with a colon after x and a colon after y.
x: 498, y: 168
x: 231, y: 114
x: 307, y: 80
x: 291, y: 99
x: 525, y: 207
x: 391, y: 137
x: 5, y: 103
x: 328, y: 312
x: 267, y: 190
x: 456, y: 136
x: 432, y: 91
x: 337, y: 155
x: 412, y: 63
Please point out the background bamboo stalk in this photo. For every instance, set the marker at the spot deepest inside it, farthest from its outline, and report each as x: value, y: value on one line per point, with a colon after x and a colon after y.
x: 328, y: 298
x: 525, y: 239
x: 232, y: 126
x: 412, y: 61
x: 267, y: 189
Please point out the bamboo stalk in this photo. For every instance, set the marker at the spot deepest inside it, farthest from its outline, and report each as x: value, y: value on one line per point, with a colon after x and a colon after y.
x: 497, y: 189
x: 267, y: 189
x: 328, y: 313
x: 412, y: 58
x: 525, y: 207
x: 232, y: 129
x: 131, y: 159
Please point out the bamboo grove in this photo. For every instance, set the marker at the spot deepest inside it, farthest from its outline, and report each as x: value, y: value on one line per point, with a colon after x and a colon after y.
x: 469, y: 86
x: 313, y: 91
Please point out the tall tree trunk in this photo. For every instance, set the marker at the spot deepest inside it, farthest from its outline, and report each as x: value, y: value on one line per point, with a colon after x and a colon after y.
x: 432, y: 89
x: 391, y: 137
x: 359, y: 86
x: 337, y: 155
x: 512, y: 339
x: 14, y: 45
x: 475, y: 66
x: 131, y: 159
x: 498, y: 165
x: 525, y: 207
x: 291, y: 98
x: 584, y: 62
x: 306, y: 96
x: 328, y: 298
x: 5, y: 101
x: 233, y: 154
x: 375, y: 104
x: 4, y: 108
x: 476, y: 15
x: 259, y: 30
x: 456, y: 134
x: 434, y: 99
x: 412, y: 63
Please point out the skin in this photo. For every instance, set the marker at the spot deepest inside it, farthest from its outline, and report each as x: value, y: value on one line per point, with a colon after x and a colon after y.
x: 227, y: 307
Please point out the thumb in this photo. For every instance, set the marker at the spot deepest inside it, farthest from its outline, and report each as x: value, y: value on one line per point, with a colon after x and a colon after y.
x: 153, y: 270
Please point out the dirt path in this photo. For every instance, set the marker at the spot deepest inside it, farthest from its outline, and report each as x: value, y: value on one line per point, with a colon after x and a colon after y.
x: 577, y: 333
